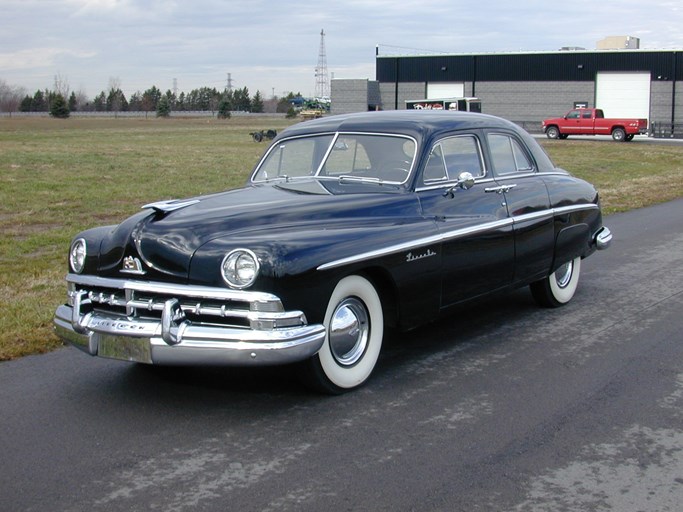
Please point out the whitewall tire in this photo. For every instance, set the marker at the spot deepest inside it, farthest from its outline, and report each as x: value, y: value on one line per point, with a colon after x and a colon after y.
x: 355, y: 327
x: 559, y: 287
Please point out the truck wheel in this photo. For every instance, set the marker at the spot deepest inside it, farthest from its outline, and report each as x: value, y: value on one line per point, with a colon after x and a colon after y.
x: 552, y: 132
x: 619, y: 135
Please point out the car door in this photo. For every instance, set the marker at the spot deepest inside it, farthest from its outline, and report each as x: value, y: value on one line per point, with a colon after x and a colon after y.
x: 573, y: 122
x: 476, y: 232
x: 528, y: 204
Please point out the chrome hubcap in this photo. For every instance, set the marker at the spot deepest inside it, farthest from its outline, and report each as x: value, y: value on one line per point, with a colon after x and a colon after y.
x: 349, y: 332
x: 564, y: 274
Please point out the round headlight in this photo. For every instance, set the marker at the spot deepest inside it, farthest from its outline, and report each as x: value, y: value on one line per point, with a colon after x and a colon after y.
x: 77, y: 255
x: 240, y: 268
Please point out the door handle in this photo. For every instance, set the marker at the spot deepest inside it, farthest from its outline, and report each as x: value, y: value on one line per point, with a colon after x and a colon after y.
x: 500, y: 189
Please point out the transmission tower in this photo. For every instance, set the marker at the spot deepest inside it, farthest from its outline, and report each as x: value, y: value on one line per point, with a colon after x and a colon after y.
x: 322, y: 81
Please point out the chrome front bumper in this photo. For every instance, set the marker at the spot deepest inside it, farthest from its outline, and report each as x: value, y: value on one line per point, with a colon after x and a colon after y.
x: 171, y: 338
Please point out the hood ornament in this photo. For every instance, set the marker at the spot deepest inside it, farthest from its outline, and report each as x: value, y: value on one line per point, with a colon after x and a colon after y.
x: 170, y: 206
x: 132, y: 266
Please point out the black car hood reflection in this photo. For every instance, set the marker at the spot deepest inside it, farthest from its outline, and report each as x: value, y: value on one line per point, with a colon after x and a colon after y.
x: 166, y: 241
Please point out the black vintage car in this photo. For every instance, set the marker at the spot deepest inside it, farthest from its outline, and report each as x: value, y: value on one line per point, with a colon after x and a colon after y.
x: 347, y: 225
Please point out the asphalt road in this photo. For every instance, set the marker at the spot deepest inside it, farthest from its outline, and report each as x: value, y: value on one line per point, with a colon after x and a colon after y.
x: 500, y: 407
x: 638, y: 139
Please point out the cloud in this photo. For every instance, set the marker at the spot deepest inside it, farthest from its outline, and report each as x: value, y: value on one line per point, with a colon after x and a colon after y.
x: 268, y: 45
x: 38, y: 58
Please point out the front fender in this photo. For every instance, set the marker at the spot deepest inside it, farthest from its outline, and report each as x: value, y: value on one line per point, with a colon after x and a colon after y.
x: 302, y: 266
x: 93, y: 241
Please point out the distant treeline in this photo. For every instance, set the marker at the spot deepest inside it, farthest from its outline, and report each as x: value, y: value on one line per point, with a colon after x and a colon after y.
x: 202, y: 99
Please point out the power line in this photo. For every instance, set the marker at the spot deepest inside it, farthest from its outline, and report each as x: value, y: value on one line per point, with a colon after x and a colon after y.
x: 395, y: 50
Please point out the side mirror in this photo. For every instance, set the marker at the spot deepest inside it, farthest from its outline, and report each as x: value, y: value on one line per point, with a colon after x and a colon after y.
x: 465, y: 182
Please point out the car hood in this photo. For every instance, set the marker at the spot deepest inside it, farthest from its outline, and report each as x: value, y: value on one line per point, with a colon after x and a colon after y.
x: 164, y: 239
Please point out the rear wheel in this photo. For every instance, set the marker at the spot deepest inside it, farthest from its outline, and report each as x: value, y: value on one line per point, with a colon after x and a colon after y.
x: 559, y: 287
x: 355, y: 327
x: 553, y: 132
x: 619, y: 134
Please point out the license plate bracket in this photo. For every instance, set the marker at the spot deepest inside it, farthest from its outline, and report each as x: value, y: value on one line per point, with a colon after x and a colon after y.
x: 124, y: 348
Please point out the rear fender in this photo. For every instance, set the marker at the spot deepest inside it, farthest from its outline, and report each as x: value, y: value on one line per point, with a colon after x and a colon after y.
x: 571, y: 242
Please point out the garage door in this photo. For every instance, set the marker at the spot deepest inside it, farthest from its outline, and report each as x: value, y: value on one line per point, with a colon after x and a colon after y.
x: 445, y: 90
x: 623, y: 94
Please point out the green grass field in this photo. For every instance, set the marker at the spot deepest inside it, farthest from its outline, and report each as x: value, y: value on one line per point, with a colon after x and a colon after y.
x: 58, y: 177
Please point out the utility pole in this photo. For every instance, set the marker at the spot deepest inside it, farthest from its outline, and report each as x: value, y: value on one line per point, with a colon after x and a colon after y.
x: 228, y: 85
x: 322, y: 81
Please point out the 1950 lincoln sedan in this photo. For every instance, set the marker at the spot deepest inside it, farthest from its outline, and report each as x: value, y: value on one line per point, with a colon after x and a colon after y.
x: 348, y: 224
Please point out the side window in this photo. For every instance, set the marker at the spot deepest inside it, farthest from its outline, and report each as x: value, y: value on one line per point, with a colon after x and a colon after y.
x: 435, y: 170
x: 574, y: 114
x: 508, y: 155
x: 586, y: 114
x: 452, y: 156
x: 462, y: 154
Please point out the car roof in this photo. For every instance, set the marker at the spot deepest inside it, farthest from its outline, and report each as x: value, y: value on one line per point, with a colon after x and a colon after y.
x: 419, y: 124
x: 425, y: 126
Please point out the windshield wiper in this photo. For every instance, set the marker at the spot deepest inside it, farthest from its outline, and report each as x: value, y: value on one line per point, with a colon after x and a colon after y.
x: 280, y: 177
x: 359, y: 179
x: 345, y: 178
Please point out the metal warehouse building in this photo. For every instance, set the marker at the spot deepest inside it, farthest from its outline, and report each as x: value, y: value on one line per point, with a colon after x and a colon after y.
x: 528, y: 87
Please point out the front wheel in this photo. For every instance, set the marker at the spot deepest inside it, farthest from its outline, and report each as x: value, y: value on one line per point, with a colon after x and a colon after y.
x: 559, y: 287
x: 553, y: 132
x: 355, y: 327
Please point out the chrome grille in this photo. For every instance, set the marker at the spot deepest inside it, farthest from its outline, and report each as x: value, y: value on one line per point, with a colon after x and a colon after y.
x: 204, y: 305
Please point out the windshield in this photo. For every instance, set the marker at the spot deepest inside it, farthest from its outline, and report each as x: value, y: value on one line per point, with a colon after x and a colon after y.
x: 372, y: 157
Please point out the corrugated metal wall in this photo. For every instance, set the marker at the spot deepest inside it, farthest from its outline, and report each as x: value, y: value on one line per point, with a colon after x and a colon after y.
x: 566, y: 66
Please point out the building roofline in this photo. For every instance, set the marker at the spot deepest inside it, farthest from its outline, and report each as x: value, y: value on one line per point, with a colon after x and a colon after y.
x: 532, y: 52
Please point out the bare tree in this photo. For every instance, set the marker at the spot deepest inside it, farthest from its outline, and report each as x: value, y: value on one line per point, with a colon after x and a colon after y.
x: 10, y: 97
x: 81, y: 99
x: 61, y: 85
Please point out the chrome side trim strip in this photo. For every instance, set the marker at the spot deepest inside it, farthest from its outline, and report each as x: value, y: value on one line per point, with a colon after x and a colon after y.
x: 434, y: 239
x: 382, y: 252
x: 458, y: 233
x: 575, y: 208
x: 473, y: 230
x: 545, y: 214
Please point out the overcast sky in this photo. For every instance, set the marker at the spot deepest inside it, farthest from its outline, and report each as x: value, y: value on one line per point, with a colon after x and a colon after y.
x: 273, y: 46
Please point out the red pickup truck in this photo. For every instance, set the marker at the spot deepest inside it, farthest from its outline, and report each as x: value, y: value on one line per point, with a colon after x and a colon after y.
x: 592, y: 121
